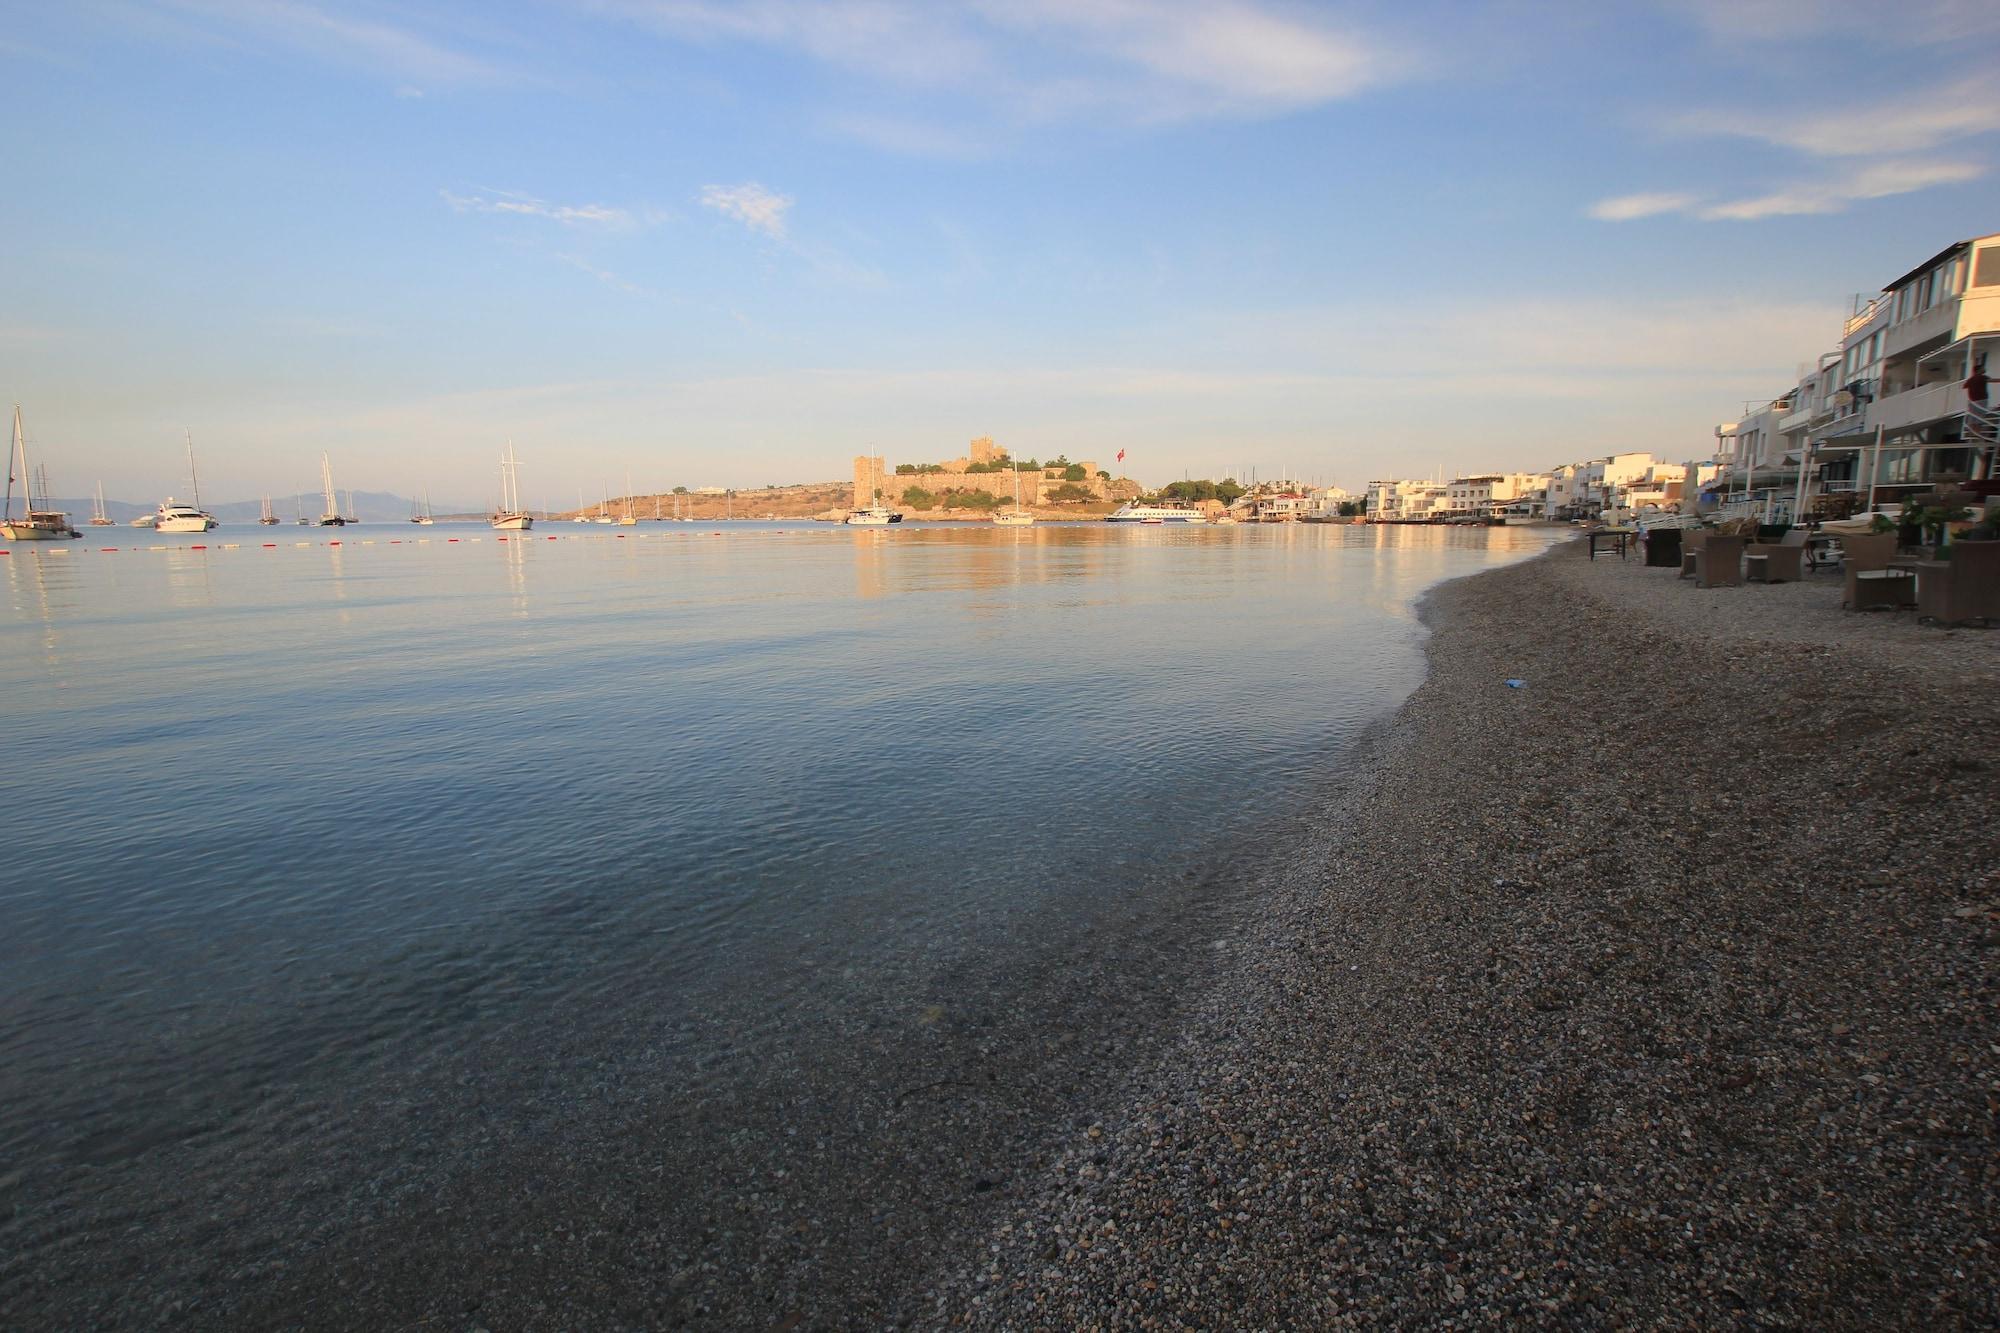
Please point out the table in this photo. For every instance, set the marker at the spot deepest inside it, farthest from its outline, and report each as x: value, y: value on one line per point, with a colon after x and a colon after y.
x: 1885, y: 587
x: 1620, y: 537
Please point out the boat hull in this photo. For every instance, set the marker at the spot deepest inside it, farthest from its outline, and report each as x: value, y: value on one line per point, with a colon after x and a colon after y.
x: 184, y: 525
x: 37, y: 532
x: 1014, y: 520
x: 512, y: 522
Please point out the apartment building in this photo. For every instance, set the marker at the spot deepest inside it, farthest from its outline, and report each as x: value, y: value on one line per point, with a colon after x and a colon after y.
x: 1884, y: 415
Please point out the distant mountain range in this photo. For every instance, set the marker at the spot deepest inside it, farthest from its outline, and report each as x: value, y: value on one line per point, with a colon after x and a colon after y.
x: 372, y: 506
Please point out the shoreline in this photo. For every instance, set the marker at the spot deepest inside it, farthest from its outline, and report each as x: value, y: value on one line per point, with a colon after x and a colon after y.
x: 1660, y: 990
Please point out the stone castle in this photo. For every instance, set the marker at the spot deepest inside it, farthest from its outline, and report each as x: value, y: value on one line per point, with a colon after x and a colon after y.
x: 874, y: 483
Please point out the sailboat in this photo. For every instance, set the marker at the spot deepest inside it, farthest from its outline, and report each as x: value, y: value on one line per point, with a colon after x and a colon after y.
x: 176, y: 517
x: 98, y: 518
x: 330, y: 517
x: 510, y: 517
x: 36, y: 525
x: 299, y: 505
x: 628, y: 520
x: 1016, y: 517
x: 604, y: 510
x: 423, y: 514
x: 267, y: 518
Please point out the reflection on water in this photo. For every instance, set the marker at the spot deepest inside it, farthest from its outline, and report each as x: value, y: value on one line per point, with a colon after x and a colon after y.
x: 327, y: 814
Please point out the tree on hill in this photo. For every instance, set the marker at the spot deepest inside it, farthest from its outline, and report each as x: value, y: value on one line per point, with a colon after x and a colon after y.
x: 1069, y: 492
x: 1075, y: 472
x: 916, y: 497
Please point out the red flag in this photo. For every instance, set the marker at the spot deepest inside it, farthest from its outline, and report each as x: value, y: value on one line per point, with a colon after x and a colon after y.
x: 1121, y: 455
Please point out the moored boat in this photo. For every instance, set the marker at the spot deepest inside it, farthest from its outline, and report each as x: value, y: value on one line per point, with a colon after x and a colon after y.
x: 176, y: 517
x: 510, y: 516
x: 37, y: 524
x: 1132, y: 511
x: 873, y: 516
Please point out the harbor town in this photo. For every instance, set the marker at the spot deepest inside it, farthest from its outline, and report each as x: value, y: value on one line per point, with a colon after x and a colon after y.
x: 819, y: 665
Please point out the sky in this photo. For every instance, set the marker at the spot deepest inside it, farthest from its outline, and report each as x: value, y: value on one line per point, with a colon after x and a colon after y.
x: 710, y: 243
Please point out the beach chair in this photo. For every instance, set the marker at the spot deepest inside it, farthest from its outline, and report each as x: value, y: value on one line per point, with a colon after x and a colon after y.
x: 1692, y: 541
x: 1965, y: 587
x: 1774, y: 562
x: 1871, y: 583
x: 1719, y: 562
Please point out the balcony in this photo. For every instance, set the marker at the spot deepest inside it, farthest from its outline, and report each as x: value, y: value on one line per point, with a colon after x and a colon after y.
x: 1937, y: 324
x: 1917, y: 407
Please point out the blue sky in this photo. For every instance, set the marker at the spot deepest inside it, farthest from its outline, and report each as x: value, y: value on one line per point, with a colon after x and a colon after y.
x: 731, y: 244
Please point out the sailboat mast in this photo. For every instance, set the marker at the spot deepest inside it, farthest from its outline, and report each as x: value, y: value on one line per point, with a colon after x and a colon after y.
x: 193, y: 479
x: 20, y: 450
x: 326, y: 482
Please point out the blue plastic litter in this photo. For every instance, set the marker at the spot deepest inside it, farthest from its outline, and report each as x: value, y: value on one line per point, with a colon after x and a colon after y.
x: 1515, y: 683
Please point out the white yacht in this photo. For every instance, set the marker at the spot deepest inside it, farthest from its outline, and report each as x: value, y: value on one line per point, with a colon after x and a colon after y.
x: 37, y: 524
x: 176, y: 517
x: 1132, y: 511
x: 873, y: 516
x: 510, y: 517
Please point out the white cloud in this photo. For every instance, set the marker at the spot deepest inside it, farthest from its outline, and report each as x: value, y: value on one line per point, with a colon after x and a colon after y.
x: 1911, y: 123
x: 750, y: 204
x: 521, y: 205
x: 1021, y: 63
x: 1627, y: 207
x: 382, y: 48
x: 1878, y: 181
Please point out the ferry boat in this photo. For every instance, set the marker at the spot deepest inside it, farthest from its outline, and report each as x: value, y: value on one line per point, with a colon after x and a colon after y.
x: 1134, y: 512
x: 874, y: 516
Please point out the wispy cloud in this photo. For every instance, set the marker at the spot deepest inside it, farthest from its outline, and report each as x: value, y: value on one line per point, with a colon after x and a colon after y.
x: 523, y: 205
x: 1627, y: 207
x: 1912, y: 123
x: 1830, y: 194
x: 1878, y: 181
x: 401, y: 53
x: 605, y: 276
x: 750, y: 204
x: 1912, y: 23
x: 1010, y: 64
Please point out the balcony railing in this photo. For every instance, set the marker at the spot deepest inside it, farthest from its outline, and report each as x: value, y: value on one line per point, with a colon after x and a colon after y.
x: 1861, y: 317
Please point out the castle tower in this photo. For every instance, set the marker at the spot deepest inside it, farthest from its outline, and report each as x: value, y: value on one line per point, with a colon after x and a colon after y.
x: 868, y: 480
x: 983, y: 450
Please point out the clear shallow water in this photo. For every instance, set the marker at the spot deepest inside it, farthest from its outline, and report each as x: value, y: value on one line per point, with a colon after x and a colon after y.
x: 291, y: 826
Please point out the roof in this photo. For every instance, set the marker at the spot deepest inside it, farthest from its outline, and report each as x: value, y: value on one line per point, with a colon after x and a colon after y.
x: 1932, y: 262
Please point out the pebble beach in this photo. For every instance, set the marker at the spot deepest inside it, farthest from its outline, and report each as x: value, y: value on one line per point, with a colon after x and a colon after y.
x: 1658, y: 990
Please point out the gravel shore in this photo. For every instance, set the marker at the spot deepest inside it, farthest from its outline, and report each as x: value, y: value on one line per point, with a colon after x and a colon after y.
x: 1657, y: 991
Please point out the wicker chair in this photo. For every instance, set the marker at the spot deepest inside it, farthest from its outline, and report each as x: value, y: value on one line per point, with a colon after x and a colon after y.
x: 1965, y: 587
x: 1870, y: 553
x: 1719, y: 562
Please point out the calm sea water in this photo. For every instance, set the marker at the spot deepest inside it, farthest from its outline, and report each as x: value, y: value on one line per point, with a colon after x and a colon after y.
x: 292, y: 830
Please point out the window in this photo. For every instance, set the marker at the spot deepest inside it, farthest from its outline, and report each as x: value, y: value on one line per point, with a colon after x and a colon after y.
x: 1986, y: 267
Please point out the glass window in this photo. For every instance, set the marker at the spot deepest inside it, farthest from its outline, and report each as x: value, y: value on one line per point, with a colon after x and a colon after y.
x: 1902, y: 305
x: 1986, y: 267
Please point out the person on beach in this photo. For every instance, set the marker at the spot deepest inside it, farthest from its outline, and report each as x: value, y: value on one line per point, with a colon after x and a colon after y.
x: 1976, y: 382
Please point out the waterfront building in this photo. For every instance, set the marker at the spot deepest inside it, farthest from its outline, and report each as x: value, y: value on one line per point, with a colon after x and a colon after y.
x: 1885, y: 415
